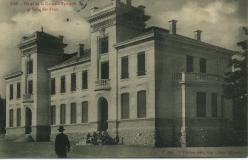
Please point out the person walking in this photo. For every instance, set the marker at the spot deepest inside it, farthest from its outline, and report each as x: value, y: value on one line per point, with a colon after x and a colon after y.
x: 62, y: 144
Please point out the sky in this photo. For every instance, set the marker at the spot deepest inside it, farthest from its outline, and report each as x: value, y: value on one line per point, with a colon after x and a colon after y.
x: 220, y: 20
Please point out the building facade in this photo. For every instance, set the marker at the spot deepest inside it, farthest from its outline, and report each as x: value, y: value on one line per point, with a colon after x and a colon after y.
x: 147, y: 86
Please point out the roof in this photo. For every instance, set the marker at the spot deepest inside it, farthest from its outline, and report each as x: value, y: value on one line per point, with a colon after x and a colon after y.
x: 74, y: 60
x: 13, y: 75
x: 154, y: 32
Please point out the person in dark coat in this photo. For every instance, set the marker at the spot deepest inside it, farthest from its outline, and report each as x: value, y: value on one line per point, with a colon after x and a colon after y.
x: 62, y: 144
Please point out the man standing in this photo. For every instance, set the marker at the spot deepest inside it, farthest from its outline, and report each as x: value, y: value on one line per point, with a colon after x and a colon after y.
x: 62, y: 144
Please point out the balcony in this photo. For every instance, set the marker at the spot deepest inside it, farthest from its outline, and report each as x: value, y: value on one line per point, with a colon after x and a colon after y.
x: 27, y: 98
x: 103, y: 84
x: 185, y: 77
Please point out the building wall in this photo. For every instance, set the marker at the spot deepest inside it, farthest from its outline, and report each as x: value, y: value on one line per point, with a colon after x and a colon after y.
x: 170, y: 59
x: 129, y: 134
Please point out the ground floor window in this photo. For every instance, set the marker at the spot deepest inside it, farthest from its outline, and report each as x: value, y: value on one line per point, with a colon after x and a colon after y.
x: 18, y: 117
x: 125, y: 106
x: 53, y: 115
x: 214, y: 105
x: 62, y: 114
x: 201, y: 104
x: 84, y: 112
x: 73, y: 113
x: 141, y: 104
x: 11, y: 118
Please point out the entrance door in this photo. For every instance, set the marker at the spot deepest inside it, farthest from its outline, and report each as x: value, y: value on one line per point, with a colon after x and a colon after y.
x: 28, y: 121
x: 102, y: 114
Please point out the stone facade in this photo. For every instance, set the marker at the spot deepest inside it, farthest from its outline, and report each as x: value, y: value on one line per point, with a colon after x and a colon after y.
x: 169, y: 114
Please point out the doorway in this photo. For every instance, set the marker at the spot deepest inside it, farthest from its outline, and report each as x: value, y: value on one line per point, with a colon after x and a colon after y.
x: 102, y: 114
x: 28, y: 121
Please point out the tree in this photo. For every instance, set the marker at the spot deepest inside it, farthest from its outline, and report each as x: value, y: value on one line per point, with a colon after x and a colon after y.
x: 235, y: 88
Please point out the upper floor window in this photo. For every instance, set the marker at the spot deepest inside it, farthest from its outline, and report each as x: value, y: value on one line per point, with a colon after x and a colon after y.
x: 84, y: 112
x: 203, y: 65
x: 11, y: 123
x: 30, y: 67
x: 18, y: 117
x: 73, y: 82
x: 141, y: 64
x: 30, y: 87
x: 222, y: 106
x: 11, y: 91
x: 62, y: 84
x: 141, y: 104
x: 201, y: 104
x: 53, y: 115
x: 190, y: 64
x: 53, y: 87
x: 85, y: 80
x: 214, y: 105
x: 73, y: 113
x: 18, y: 90
x: 105, y: 70
x: 124, y: 68
x: 103, y: 45
x: 125, y: 106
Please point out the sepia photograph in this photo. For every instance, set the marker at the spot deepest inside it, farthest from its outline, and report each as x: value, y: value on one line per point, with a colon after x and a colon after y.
x: 123, y: 79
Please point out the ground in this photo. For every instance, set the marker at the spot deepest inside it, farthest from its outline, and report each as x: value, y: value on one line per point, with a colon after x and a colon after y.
x: 10, y: 149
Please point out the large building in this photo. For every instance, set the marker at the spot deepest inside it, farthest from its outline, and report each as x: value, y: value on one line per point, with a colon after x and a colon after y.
x: 146, y: 85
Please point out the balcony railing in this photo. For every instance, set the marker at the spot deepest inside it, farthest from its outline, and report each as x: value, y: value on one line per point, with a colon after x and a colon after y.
x: 27, y: 98
x: 103, y: 84
x: 197, y: 77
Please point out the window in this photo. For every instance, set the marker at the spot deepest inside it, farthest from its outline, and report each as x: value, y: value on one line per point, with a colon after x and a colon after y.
x: 62, y: 84
x: 11, y: 118
x: 62, y: 114
x: 124, y: 68
x: 11, y: 91
x: 30, y: 87
x: 85, y: 80
x: 53, y: 115
x: 103, y: 45
x: 141, y: 64
x: 203, y: 65
x: 190, y: 64
x: 73, y: 113
x: 141, y: 103
x: 30, y: 67
x: 18, y: 117
x: 84, y: 112
x: 201, y: 104
x: 105, y: 70
x: 125, y: 106
x: 53, y: 87
x: 214, y: 105
x: 18, y: 91
x: 222, y: 106
x: 73, y: 82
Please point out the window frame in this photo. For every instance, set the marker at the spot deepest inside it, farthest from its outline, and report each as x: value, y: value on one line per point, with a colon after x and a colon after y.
x: 18, y: 117
x: 141, y: 68
x: 214, y: 105
x: 73, y: 85
x: 85, y: 112
x: 203, y: 65
x: 53, y: 115
x: 124, y: 69
x: 189, y: 63
x: 201, y: 105
x: 62, y: 84
x: 11, y: 91
x: 18, y: 90
x: 53, y: 86
x: 85, y: 80
x: 73, y: 113
x: 63, y: 114
x: 125, y: 107
x: 101, y: 41
x: 11, y: 118
x: 141, y: 110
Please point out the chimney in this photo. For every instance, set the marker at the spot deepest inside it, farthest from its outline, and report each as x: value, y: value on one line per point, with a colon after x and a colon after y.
x: 198, y: 35
x: 129, y: 2
x: 115, y: 2
x: 81, y: 50
x: 173, y: 26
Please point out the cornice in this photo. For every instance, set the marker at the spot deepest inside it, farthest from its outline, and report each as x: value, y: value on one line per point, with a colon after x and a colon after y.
x: 13, y: 75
